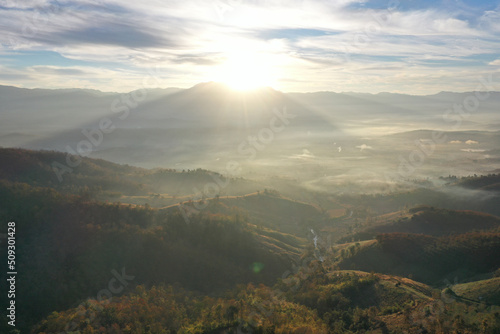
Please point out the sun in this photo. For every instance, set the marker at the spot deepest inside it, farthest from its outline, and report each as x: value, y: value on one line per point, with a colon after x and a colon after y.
x: 246, y: 71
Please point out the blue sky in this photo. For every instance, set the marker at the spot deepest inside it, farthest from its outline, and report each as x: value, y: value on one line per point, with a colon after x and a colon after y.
x: 416, y: 47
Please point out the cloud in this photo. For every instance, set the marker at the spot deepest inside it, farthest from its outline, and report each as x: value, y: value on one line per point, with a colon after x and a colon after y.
x: 338, y: 45
x: 490, y: 21
x: 306, y: 154
x: 364, y: 147
x: 471, y: 150
x: 112, y: 34
x: 66, y: 71
x: 456, y: 142
x: 471, y: 142
x: 26, y: 4
x: 74, y: 76
x: 202, y: 59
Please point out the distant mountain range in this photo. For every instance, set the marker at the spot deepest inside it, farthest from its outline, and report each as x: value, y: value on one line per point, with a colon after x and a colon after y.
x: 263, y: 130
x: 32, y: 112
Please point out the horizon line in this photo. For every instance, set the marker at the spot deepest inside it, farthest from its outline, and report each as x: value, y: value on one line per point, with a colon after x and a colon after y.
x: 245, y: 91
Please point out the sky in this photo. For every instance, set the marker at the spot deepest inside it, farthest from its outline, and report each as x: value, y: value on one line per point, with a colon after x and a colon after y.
x: 414, y: 47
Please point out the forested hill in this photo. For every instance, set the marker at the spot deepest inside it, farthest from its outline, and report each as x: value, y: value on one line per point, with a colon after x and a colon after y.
x: 43, y: 168
x: 427, y: 259
x: 427, y: 220
x: 68, y: 247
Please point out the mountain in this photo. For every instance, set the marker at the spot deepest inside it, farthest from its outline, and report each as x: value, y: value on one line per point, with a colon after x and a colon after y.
x: 214, y: 124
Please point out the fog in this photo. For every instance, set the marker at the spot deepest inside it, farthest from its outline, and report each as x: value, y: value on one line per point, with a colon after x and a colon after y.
x: 329, y: 142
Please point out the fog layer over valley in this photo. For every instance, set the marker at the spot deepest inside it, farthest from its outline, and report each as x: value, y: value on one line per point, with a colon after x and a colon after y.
x: 325, y: 141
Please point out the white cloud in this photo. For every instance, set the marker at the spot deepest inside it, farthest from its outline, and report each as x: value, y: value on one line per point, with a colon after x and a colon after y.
x: 26, y: 4
x: 306, y: 154
x: 364, y: 147
x: 361, y: 49
x: 77, y: 76
x: 471, y: 142
x: 456, y: 142
x: 490, y: 21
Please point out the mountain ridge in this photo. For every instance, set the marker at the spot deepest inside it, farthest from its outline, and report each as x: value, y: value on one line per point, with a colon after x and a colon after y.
x: 221, y: 84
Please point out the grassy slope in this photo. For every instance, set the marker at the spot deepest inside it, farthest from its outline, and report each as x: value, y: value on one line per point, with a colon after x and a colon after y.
x: 485, y: 290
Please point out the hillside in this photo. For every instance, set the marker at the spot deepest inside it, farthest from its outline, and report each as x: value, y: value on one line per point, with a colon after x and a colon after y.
x: 427, y: 259
x: 427, y: 220
x: 483, y: 291
x: 490, y: 182
x: 104, y: 180
x: 79, y: 243
x: 267, y: 209
x: 311, y: 301
x: 445, y: 195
